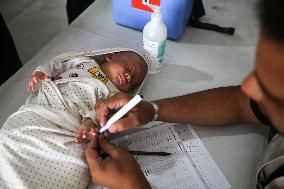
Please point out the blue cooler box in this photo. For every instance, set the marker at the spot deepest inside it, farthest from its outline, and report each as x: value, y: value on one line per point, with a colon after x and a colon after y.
x: 176, y: 14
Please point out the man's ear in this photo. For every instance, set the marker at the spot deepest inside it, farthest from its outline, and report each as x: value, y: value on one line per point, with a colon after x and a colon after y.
x: 110, y: 57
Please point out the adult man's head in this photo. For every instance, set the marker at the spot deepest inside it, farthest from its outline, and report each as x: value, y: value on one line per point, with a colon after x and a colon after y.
x: 265, y: 84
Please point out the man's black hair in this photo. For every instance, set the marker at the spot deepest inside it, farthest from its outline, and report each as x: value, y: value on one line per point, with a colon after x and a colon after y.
x: 271, y: 14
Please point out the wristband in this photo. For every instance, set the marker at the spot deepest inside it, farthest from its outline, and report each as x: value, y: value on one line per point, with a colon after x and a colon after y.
x: 156, y: 110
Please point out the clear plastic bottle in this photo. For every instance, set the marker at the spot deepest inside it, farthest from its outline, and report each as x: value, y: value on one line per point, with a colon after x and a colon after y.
x: 154, y: 41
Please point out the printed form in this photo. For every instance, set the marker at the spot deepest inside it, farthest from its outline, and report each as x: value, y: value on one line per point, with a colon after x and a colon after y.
x: 189, y: 167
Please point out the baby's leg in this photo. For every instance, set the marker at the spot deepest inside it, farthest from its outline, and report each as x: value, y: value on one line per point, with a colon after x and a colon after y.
x: 35, y: 153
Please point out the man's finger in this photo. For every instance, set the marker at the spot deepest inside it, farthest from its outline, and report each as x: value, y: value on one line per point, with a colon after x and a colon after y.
x: 124, y: 124
x: 119, y: 127
x: 103, y: 107
x: 102, y: 112
x: 92, y: 156
x: 107, y: 147
x: 103, y: 120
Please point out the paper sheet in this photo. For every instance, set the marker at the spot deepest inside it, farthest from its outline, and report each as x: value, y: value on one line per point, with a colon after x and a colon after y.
x: 190, y: 166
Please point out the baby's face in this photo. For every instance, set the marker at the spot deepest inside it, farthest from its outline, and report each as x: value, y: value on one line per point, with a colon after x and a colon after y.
x: 126, y: 70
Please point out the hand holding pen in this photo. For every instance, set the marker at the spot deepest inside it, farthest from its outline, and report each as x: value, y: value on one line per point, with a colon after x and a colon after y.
x: 121, y: 112
x: 141, y: 114
x: 118, y: 166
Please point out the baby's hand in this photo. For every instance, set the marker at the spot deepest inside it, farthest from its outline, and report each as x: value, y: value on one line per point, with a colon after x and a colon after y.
x: 85, y: 129
x: 37, y: 77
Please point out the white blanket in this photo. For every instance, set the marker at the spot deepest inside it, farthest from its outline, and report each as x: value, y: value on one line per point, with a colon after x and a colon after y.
x: 37, y: 143
x: 38, y: 148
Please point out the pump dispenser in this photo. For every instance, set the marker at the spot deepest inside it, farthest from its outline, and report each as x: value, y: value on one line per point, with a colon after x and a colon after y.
x: 154, y: 40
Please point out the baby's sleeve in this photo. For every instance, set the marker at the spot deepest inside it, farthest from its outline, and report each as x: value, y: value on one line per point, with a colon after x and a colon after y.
x: 55, y: 66
x: 90, y: 114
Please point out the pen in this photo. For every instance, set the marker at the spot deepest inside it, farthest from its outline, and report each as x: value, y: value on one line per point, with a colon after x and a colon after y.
x: 141, y: 153
x: 120, y: 113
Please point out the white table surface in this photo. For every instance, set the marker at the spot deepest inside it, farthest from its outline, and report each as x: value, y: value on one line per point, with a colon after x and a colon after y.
x: 199, y: 60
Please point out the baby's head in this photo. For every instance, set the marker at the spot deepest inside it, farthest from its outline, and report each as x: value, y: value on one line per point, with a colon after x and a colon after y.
x: 125, y: 69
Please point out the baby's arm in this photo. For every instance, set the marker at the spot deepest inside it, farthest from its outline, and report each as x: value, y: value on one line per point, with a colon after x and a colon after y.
x: 50, y: 70
x: 85, y: 128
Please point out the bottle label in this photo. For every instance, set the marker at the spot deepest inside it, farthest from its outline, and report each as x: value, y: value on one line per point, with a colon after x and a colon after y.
x: 154, y: 54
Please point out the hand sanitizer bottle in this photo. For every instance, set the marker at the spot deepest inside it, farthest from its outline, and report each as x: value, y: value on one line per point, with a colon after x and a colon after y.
x: 154, y: 41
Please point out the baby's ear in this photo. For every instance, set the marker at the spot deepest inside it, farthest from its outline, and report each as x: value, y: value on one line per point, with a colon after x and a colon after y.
x: 110, y: 57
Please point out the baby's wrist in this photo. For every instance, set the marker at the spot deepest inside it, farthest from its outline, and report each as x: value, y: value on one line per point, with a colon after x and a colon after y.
x: 88, y: 120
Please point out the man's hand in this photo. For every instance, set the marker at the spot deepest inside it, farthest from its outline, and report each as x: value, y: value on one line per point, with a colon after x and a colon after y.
x: 118, y: 171
x: 37, y: 77
x: 137, y: 116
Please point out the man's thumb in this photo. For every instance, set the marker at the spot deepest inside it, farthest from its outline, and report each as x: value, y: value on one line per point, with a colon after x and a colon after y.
x: 92, y: 156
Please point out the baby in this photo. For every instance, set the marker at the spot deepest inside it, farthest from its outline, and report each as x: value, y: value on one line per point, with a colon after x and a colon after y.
x: 37, y: 145
x: 125, y: 70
